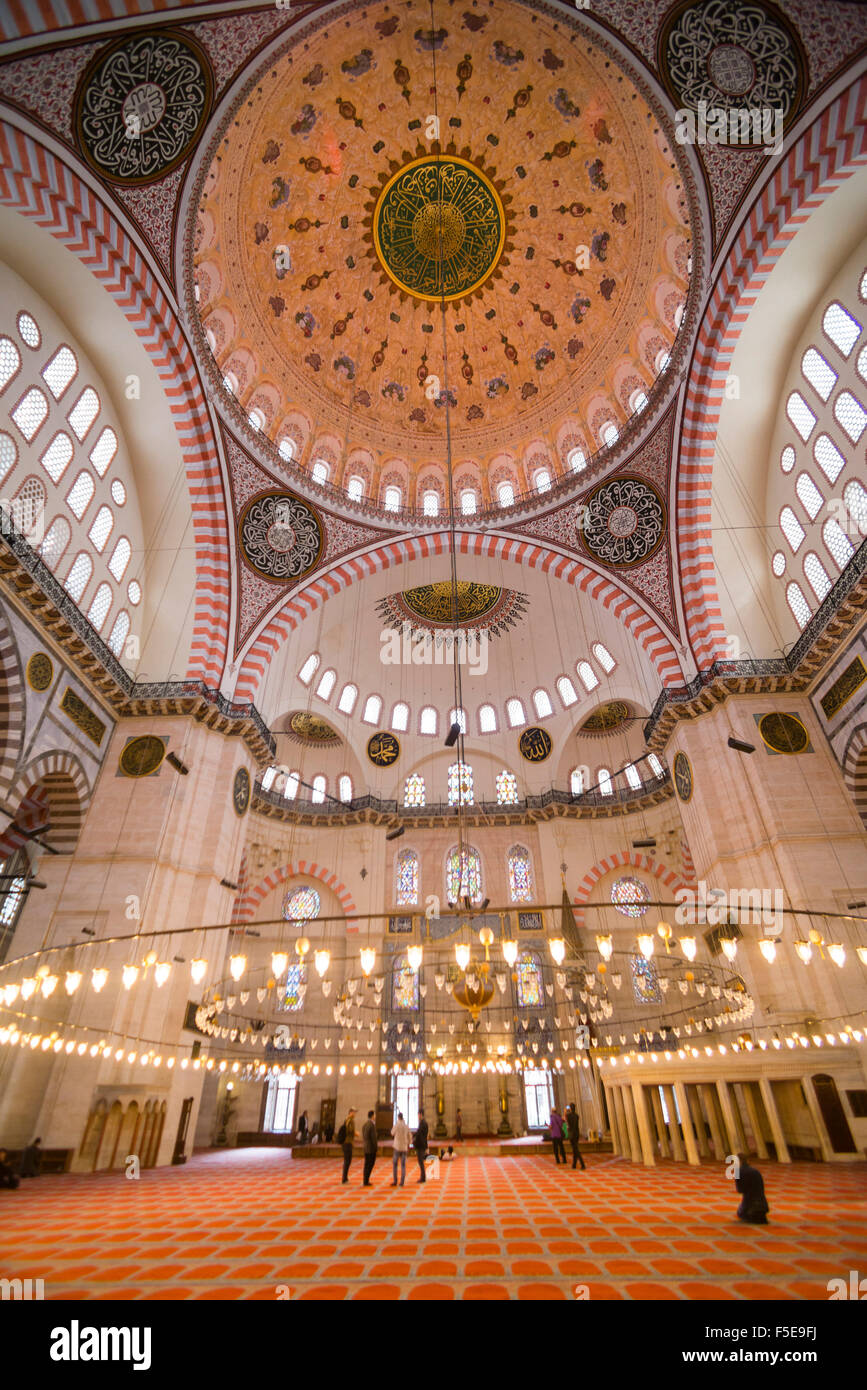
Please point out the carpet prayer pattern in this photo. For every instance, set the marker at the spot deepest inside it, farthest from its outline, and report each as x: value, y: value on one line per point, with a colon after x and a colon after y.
x: 249, y: 1223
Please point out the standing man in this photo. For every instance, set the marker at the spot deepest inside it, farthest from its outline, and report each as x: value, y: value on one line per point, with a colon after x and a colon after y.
x: 368, y: 1139
x: 419, y: 1143
x: 459, y: 1126
x: 572, y: 1130
x: 557, y: 1135
x: 346, y: 1138
x: 400, y: 1135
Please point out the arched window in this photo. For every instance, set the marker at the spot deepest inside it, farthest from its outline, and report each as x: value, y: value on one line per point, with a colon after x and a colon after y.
x: 817, y: 575
x: 300, y: 905
x: 29, y: 330
x: 56, y: 540
x: 787, y: 459
x: 57, y: 457
x: 77, y: 580
x: 29, y: 506
x: 355, y: 488
x: 348, y: 697
x: 798, y: 604
x: 428, y: 720
x: 119, y: 633
x: 309, y: 669
x: 791, y: 529
x: 610, y: 434
x: 487, y: 719
x: 637, y: 401
x: 663, y: 357
x: 828, y: 457
x: 838, y: 543
x: 286, y: 449
x: 120, y: 558
x: 79, y: 495
x: 290, y: 791
x: 603, y: 782
x: 319, y: 471
x: 506, y: 495
x: 586, y: 675
x: 407, y: 878
x: 542, y: 480
x: 84, y: 412
x: 30, y: 412
x: 133, y: 592
x: 464, y: 877
x: 576, y: 781
x: 404, y: 985
x: 430, y: 503
x: 344, y: 787
x: 515, y: 713
x: 678, y: 315
x: 326, y: 684
x: 268, y: 777
x: 468, y: 502
x: 98, y: 611
x: 59, y: 371
x: 632, y: 775
x: 529, y: 971
x: 800, y: 414
x: 320, y: 786
x: 393, y: 499
x: 506, y: 784
x: 459, y: 717
x: 542, y: 702
x: 413, y: 790
x: 809, y: 495
x: 293, y: 990
x: 850, y: 415
x: 372, y: 709
x: 856, y: 502
x: 576, y: 460
x: 101, y: 528
x: 843, y: 330
x: 630, y: 897
x: 656, y: 765
x: 256, y: 419
x: 819, y: 373
x: 8, y: 454
x: 778, y: 563
x: 10, y: 362
x: 566, y: 691
x: 604, y: 657
x: 520, y: 875
x: 862, y: 363
x: 230, y: 381
x: 460, y: 785
x: 400, y: 717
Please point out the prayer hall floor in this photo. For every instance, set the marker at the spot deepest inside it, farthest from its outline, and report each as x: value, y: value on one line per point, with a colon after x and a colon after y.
x: 243, y: 1224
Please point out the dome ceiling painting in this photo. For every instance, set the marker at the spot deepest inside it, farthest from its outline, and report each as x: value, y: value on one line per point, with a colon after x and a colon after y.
x: 489, y: 608
x: 552, y: 199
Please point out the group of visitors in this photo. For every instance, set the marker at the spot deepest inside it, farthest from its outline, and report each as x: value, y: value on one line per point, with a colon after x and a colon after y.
x: 403, y: 1141
x: 566, y: 1125
x: 29, y: 1167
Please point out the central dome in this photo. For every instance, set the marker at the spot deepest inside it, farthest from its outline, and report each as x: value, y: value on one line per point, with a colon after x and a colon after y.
x: 506, y: 164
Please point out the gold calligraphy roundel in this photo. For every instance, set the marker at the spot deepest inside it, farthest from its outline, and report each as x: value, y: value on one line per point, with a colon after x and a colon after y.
x: 142, y: 756
x: 439, y: 228
x: 383, y: 749
x: 535, y: 745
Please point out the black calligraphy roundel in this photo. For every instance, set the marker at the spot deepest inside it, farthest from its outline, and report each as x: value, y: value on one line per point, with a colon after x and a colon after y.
x: 383, y: 749
x: 535, y: 745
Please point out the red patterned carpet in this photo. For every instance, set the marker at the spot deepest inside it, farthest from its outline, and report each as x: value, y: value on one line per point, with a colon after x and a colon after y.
x: 241, y: 1224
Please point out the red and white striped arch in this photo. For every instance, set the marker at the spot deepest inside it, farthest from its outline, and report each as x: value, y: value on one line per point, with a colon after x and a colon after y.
x: 21, y: 18
x: 38, y: 185
x: 250, y: 898
x: 833, y: 147
x: 325, y: 585
x: 668, y: 878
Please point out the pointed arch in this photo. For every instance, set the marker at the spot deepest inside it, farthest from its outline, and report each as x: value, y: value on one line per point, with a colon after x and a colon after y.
x: 667, y: 878
x: 854, y: 764
x: 55, y: 782
x: 251, y: 896
x: 12, y: 706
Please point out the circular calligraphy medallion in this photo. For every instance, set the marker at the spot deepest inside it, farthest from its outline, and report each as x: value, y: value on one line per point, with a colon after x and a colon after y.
x: 383, y: 749
x: 281, y: 536
x: 40, y: 671
x: 439, y: 228
x: 731, y: 69
x: 682, y: 776
x: 241, y: 791
x: 784, y: 733
x: 622, y: 521
x: 142, y: 756
x: 535, y: 744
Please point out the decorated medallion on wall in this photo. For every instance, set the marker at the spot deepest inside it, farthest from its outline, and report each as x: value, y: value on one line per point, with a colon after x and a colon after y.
x: 142, y: 756
x: 682, y: 773
x: 481, y: 607
x: 281, y: 536
x: 438, y: 228
x: 622, y: 522
x: 82, y: 716
x: 311, y: 730
x: 241, y: 791
x: 843, y: 688
x: 783, y: 733
x: 612, y: 715
x: 40, y: 671
x: 383, y: 749
x: 535, y: 744
x: 141, y: 105
x: 736, y: 57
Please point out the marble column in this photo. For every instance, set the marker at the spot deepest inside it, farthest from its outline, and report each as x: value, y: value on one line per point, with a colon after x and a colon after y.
x: 725, y: 1102
x: 783, y: 1155
x: 661, y: 1131
x: 710, y: 1105
x: 698, y: 1120
x: 688, y: 1134
x: 617, y: 1143
x: 647, y: 1147
x: 816, y: 1114
x: 673, y: 1126
x: 754, y: 1119
x: 631, y: 1124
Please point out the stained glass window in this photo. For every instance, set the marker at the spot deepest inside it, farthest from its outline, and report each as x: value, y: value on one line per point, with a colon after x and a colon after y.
x: 407, y: 878
x: 529, y: 981
x: 404, y: 985
x: 300, y: 905
x: 507, y: 789
x: 464, y: 881
x: 294, y: 986
x: 645, y: 982
x: 630, y: 896
x: 460, y: 785
x: 413, y: 790
x: 520, y: 877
